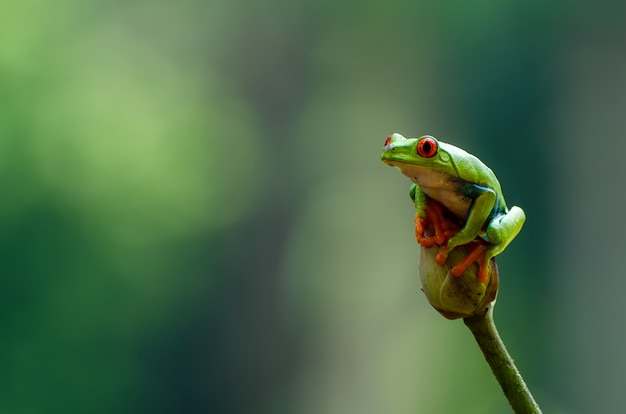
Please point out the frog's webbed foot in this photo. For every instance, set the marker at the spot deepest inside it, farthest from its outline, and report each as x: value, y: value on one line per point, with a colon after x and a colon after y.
x: 478, y: 255
x: 432, y: 228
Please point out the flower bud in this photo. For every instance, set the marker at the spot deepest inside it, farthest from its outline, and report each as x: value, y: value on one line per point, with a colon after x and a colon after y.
x: 457, y: 297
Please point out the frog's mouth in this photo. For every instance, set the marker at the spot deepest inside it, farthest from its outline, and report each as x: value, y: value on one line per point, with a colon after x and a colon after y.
x: 394, y: 159
x: 417, y: 173
x: 388, y: 159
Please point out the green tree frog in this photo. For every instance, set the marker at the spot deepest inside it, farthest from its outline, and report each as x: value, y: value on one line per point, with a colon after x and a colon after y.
x: 462, y: 184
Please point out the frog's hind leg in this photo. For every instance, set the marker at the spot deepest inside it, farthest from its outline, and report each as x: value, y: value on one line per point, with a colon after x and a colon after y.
x: 503, y: 229
x: 500, y: 232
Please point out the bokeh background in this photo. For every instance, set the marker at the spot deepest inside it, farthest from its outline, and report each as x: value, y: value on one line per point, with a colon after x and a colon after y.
x: 195, y: 219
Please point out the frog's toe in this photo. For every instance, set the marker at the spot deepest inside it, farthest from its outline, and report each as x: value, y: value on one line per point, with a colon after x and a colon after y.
x: 442, y: 256
x: 483, y: 272
x: 476, y: 255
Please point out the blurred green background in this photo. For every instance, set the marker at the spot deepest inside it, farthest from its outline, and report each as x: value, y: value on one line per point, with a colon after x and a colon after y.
x: 195, y: 218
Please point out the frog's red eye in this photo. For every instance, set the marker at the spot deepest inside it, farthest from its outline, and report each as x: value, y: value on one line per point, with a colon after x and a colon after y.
x: 427, y: 147
x: 388, y: 140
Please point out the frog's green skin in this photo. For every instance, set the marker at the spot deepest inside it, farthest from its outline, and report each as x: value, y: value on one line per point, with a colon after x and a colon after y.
x: 460, y: 182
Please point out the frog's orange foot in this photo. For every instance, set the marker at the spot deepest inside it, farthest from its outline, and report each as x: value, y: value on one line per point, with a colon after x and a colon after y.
x: 427, y: 241
x: 420, y: 229
x: 477, y: 255
x: 435, y: 226
x: 434, y: 214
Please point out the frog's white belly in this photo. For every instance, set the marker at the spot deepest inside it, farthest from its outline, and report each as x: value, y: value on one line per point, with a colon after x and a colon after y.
x: 457, y: 203
x: 441, y: 187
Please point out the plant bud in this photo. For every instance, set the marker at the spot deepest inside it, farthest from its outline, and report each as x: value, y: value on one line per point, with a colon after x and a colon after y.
x: 457, y: 297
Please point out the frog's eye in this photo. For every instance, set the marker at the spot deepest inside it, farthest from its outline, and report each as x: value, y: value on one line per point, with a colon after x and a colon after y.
x: 427, y: 147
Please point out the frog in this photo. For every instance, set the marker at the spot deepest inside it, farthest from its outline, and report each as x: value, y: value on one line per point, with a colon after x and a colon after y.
x: 467, y: 189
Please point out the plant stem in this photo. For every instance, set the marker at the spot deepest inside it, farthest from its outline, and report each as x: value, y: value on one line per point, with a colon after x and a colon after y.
x: 484, y: 330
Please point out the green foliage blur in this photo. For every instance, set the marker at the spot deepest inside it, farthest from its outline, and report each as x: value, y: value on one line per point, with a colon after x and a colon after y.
x: 195, y: 218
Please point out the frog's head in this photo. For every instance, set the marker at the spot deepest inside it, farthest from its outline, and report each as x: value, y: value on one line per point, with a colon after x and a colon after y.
x: 412, y: 155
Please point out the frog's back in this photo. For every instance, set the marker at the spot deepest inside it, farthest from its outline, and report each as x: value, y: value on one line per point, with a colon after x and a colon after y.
x: 475, y: 175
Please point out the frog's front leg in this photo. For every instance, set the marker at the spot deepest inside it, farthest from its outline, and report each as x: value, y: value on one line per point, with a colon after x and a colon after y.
x: 420, y: 199
x: 478, y: 215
